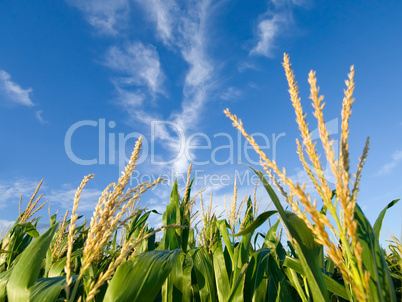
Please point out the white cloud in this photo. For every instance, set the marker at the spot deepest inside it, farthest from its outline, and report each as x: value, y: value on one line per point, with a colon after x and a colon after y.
x: 268, y: 30
x: 13, y: 91
x: 129, y: 99
x: 15, y: 94
x: 107, y: 16
x: 5, y: 226
x: 276, y: 20
x: 193, y: 44
x: 230, y: 94
x: 243, y: 66
x: 140, y: 64
x: 182, y: 29
x: 39, y: 117
x: 160, y: 12
x: 280, y: 3
x: 11, y: 191
x: 65, y: 198
x: 185, y: 30
x: 396, y: 159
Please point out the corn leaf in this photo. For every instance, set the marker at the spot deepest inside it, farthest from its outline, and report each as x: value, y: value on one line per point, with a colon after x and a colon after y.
x: 306, y: 247
x: 236, y: 285
x: 378, y: 223
x: 58, y: 267
x: 332, y: 285
x: 48, y: 289
x: 4, y: 277
x: 223, y: 229
x: 256, y: 282
x: 270, y: 240
x: 241, y: 256
x: 172, y: 216
x: 381, y: 284
x: 177, y: 287
x: 26, y: 271
x: 204, y: 275
x: 295, y: 282
x: 221, y: 275
x: 278, y: 288
x: 16, y: 241
x: 256, y: 223
x: 142, y: 279
x: 185, y: 218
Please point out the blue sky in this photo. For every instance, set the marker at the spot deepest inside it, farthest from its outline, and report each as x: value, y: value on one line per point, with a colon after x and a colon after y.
x: 80, y: 80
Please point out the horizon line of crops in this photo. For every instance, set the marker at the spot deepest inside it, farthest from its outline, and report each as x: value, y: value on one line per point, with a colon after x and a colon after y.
x: 332, y: 253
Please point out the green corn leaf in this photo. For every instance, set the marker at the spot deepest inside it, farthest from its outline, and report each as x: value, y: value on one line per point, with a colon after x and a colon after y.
x: 16, y: 241
x: 31, y: 230
x: 4, y: 277
x: 185, y: 218
x: 329, y: 265
x: 236, y: 285
x: 241, y: 256
x: 191, y: 239
x: 278, y: 288
x: 58, y: 267
x: 256, y: 223
x: 48, y: 289
x: 172, y: 216
x: 295, y: 282
x: 223, y: 229
x: 26, y: 271
x: 378, y: 223
x: 236, y: 270
x: 178, y: 285
x: 333, y: 286
x: 256, y: 282
x: 7, y: 252
x: 136, y: 224
x: 142, y: 279
x: 52, y: 219
x: 221, y: 275
x: 306, y: 247
x: 381, y: 284
x: 204, y: 272
x: 270, y: 239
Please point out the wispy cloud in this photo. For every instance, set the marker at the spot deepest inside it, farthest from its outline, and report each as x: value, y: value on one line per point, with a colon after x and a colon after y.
x: 106, y: 16
x: 11, y: 191
x: 183, y: 29
x: 160, y: 12
x: 281, y: 3
x: 65, y: 198
x: 4, y: 226
x: 39, y: 117
x: 276, y: 20
x: 395, y: 160
x: 130, y: 100
x: 231, y: 93
x: 139, y: 62
x: 139, y: 77
x: 243, y: 66
x: 13, y: 92
x: 268, y: 30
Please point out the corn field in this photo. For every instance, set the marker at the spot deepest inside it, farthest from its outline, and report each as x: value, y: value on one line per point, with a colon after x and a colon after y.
x: 329, y: 252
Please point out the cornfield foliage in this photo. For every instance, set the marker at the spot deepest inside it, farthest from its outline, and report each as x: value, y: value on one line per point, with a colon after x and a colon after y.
x: 330, y: 253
